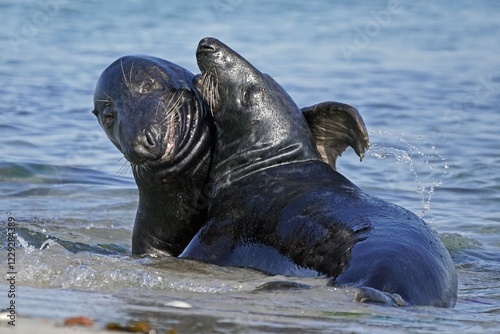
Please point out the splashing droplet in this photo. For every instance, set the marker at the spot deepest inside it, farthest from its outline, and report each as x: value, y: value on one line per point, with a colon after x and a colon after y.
x: 421, y: 161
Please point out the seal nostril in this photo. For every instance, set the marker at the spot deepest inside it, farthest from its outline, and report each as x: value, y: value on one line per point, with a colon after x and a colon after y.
x: 149, y: 140
x: 206, y: 45
x: 145, y: 147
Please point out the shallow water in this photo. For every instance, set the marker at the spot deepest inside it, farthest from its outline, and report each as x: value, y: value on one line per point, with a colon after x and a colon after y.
x: 425, y: 78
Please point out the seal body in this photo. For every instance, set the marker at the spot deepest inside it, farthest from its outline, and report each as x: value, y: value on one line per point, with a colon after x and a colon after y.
x: 149, y: 110
x: 277, y: 207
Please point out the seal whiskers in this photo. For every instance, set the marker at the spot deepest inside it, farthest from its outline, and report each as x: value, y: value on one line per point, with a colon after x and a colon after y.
x: 123, y: 74
x: 210, y: 86
x: 124, y: 167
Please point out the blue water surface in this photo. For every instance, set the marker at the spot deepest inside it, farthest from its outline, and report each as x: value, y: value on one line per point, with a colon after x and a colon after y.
x: 424, y: 76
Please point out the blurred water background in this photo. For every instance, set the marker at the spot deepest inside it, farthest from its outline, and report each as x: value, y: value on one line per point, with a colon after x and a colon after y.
x: 424, y: 75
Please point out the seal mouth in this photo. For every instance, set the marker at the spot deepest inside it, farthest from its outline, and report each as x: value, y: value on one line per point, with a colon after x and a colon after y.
x: 206, y: 85
x: 172, y: 133
x: 171, y: 142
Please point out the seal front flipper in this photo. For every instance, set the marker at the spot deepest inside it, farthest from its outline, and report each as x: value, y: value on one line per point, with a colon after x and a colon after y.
x: 335, y: 126
x: 281, y: 285
x: 370, y: 295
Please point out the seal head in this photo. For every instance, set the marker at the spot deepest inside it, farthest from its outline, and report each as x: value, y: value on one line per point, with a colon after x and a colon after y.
x: 269, y: 137
x: 148, y: 109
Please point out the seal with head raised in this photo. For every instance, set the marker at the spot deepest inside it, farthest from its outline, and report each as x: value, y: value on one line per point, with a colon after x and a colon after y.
x: 277, y: 207
x: 149, y: 110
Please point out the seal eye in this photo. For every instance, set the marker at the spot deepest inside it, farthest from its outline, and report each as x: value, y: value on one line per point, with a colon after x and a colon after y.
x: 146, y: 87
x: 247, y: 96
x: 109, y: 117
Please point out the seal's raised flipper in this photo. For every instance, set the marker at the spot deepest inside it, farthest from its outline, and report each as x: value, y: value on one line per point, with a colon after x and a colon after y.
x: 335, y: 126
x: 370, y: 295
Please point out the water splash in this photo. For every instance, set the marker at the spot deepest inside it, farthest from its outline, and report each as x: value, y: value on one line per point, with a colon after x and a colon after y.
x: 28, y: 249
x: 421, y: 158
x: 52, y: 265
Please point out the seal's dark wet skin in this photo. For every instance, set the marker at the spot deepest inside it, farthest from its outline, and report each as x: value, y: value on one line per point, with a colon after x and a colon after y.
x: 149, y: 110
x: 277, y: 207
